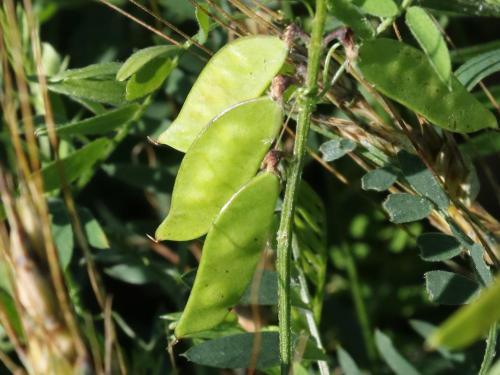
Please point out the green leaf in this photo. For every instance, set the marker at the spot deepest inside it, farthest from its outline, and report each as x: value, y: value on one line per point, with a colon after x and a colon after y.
x: 351, y: 15
x: 142, y: 57
x: 385, y: 62
x: 62, y: 232
x: 267, y: 293
x: 336, y: 148
x: 347, y: 364
x: 106, y: 91
x: 100, y: 124
x: 470, y: 322
x: 95, y: 71
x: 489, y: 8
x: 461, y: 55
x: 12, y: 315
x: 483, y: 272
x: 437, y: 247
x: 482, y: 145
x: 390, y: 355
x: 476, y: 253
x: 75, y: 164
x: 203, y: 20
x: 236, y: 351
x: 422, y: 180
x: 495, y: 370
x: 309, y: 228
x: 150, y: 77
x: 448, y: 288
x: 404, y: 208
x: 93, y: 230
x: 157, y: 179
x: 379, y: 179
x: 425, y: 330
x: 478, y: 68
x: 431, y: 41
x: 378, y: 8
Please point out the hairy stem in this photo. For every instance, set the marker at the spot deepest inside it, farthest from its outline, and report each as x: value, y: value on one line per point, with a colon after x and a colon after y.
x: 306, y: 103
x: 489, y: 354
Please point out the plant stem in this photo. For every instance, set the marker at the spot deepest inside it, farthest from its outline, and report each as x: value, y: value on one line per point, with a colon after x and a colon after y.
x: 359, y: 305
x: 489, y: 354
x: 309, y: 315
x: 306, y: 103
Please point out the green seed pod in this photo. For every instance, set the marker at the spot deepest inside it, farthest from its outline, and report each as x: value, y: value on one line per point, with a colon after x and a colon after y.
x: 225, y: 156
x: 230, y: 254
x: 405, y: 74
x: 240, y: 71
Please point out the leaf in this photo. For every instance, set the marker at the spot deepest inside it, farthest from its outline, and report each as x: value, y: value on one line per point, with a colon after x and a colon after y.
x: 425, y: 330
x: 235, y: 351
x: 448, y: 288
x: 478, y: 68
x: 203, y: 20
x: 422, y: 180
x: 404, y: 208
x: 309, y: 229
x: 142, y: 57
x: 482, y: 145
x: 431, y: 41
x: 379, y: 179
x: 483, y: 272
x: 75, y: 164
x: 476, y: 253
x: 437, y: 247
x: 93, y: 230
x: 96, y: 71
x: 267, y: 293
x: 131, y: 273
x: 150, y: 77
x: 385, y: 62
x: 469, y: 8
x: 62, y: 232
x: 107, y: 92
x: 470, y: 322
x: 461, y: 55
x: 390, y: 355
x: 378, y: 8
x: 352, y: 16
x: 100, y: 124
x: 336, y: 148
x: 347, y: 364
x: 495, y: 370
x: 157, y: 179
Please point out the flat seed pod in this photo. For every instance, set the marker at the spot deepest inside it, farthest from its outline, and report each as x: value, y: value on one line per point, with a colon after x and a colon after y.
x: 240, y: 71
x: 230, y: 254
x: 225, y: 156
x: 405, y: 75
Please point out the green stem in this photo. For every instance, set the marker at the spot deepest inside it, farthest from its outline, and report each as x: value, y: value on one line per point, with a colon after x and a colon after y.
x: 489, y: 354
x: 305, y: 106
x: 359, y: 305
